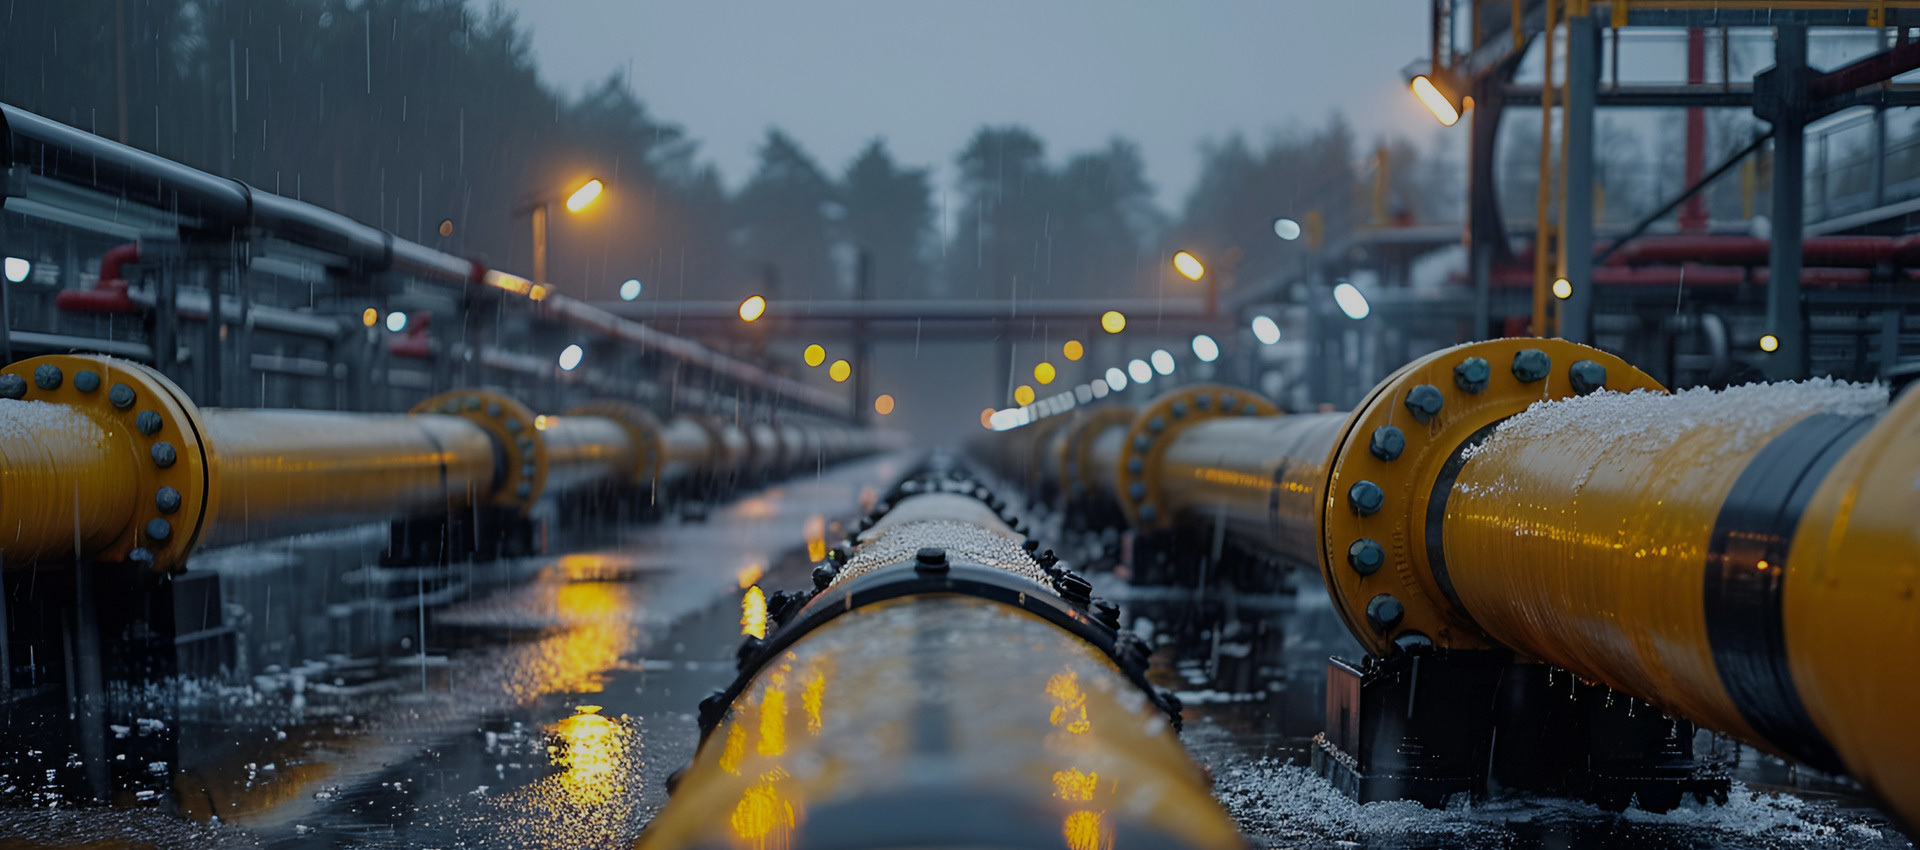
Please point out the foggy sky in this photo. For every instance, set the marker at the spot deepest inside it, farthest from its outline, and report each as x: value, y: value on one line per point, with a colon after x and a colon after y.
x: 925, y: 74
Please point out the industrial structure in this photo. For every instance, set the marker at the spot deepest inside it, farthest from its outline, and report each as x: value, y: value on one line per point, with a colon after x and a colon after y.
x: 1550, y: 495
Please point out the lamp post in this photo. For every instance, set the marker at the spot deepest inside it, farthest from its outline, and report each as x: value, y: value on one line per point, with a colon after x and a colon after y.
x: 577, y: 200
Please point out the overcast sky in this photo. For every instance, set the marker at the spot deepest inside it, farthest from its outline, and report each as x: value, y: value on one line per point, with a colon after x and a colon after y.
x: 924, y: 74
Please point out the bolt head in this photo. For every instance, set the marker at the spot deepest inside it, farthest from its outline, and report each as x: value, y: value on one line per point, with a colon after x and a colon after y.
x: 1156, y: 425
x: 930, y: 559
x: 48, y: 376
x: 1106, y: 611
x: 1074, y: 588
x: 1387, y: 443
x: 1471, y: 374
x: 1384, y: 612
x: 1179, y: 409
x: 1365, y: 498
x: 163, y: 454
x: 148, y: 422
x: 167, y: 500
x: 1424, y: 401
x: 1142, y: 442
x: 13, y: 386
x: 1366, y: 556
x: 1148, y: 513
x: 1031, y: 545
x: 159, y: 529
x: 1586, y: 376
x: 1203, y: 401
x: 122, y: 396
x: 1137, y: 490
x: 1531, y: 364
x: 1135, y: 465
x: 86, y: 380
x: 1228, y: 400
x: 140, y: 555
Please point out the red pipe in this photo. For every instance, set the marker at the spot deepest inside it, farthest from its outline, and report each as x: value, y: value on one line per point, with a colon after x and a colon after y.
x: 109, y: 294
x: 1840, y: 251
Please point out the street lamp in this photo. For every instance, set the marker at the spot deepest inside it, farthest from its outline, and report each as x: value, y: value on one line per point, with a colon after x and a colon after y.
x: 579, y: 199
x: 1436, y: 100
x: 1190, y: 267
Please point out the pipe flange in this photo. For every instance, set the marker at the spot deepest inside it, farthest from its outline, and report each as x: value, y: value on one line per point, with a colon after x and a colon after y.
x: 518, y: 432
x: 158, y: 428
x: 643, y: 429
x: 1155, y: 427
x: 1402, y: 443
x: 1076, y: 470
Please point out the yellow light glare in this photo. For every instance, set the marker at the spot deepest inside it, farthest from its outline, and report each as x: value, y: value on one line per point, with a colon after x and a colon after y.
x: 750, y: 575
x: 584, y: 195
x: 883, y: 405
x: 986, y: 418
x: 816, y: 355
x: 1437, y: 103
x: 369, y: 316
x: 1188, y: 266
x: 840, y: 371
x: 753, y: 308
x: 1563, y: 289
x: 1113, y: 321
x: 1023, y: 395
x: 540, y: 423
x: 1044, y: 373
x: 1073, y: 350
x: 1769, y: 343
x: 753, y: 613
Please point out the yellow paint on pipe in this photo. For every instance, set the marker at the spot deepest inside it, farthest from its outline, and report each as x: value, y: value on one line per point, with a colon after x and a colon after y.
x: 64, y: 482
x: 1850, y: 605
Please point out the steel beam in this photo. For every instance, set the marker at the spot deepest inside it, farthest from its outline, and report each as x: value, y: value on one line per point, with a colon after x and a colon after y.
x: 1576, y: 228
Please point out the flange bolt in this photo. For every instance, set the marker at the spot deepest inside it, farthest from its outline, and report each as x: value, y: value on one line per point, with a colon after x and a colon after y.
x: 1424, y: 401
x: 1531, y: 364
x: 148, y: 422
x: 13, y: 386
x: 823, y: 575
x: 159, y: 529
x: 167, y: 500
x: 1107, y: 612
x: 1586, y: 376
x: 1365, y: 556
x: 1365, y: 498
x: 86, y: 380
x: 163, y: 454
x: 1387, y: 442
x: 47, y: 376
x: 122, y: 396
x: 1471, y: 374
x: 1384, y: 612
x: 1074, y: 588
x: 930, y: 559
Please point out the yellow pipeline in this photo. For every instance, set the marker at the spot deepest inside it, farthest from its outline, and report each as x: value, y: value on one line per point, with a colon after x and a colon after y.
x: 870, y: 725
x: 65, y: 483
x: 1735, y: 560
x: 286, y: 472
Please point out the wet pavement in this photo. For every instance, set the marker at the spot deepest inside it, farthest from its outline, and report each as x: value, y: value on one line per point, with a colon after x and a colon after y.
x: 548, y: 714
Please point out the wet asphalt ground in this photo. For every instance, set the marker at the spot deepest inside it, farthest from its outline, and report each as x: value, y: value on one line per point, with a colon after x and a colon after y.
x: 549, y: 714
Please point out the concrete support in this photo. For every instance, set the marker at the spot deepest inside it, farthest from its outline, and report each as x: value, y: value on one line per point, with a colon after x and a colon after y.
x: 1784, y: 316
x: 1576, y: 229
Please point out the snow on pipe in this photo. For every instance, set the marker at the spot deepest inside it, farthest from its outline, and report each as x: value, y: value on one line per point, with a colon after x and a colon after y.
x: 1733, y: 558
x: 939, y: 683
x: 107, y: 459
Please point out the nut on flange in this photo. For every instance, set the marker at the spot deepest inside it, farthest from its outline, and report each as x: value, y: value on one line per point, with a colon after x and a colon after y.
x: 1390, y: 457
x: 1155, y: 427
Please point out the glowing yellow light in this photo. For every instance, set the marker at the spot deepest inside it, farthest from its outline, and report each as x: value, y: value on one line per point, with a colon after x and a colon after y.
x: 749, y: 575
x: 1437, y: 103
x: 815, y: 531
x: 813, y: 698
x: 883, y: 405
x: 986, y: 418
x: 511, y: 283
x: 1082, y: 831
x: 1188, y: 266
x: 540, y: 423
x: 1044, y: 373
x: 764, y: 819
x: 773, y: 717
x: 753, y: 308
x: 446, y: 227
x: 815, y: 355
x: 539, y: 292
x: 1769, y: 343
x: 735, y: 749
x: 1073, y: 786
x: 1113, y: 321
x: 584, y: 195
x: 1073, y: 350
x: 840, y: 371
x: 1070, y: 703
x: 1761, y: 565
x: 591, y: 751
x: 753, y: 613
x: 1563, y: 289
x: 1023, y: 395
x: 369, y: 317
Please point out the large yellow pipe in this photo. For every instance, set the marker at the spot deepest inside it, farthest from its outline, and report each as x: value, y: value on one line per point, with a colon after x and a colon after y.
x: 65, y: 483
x: 1260, y: 476
x: 286, y: 472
